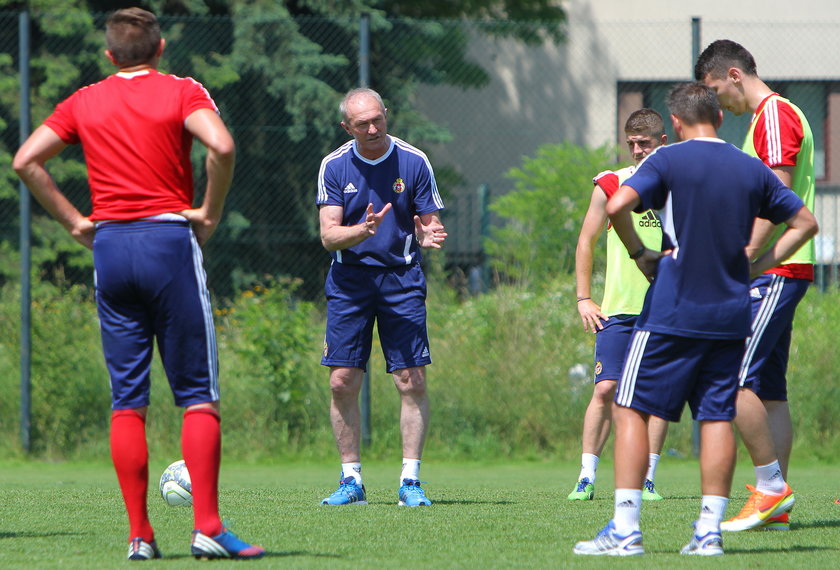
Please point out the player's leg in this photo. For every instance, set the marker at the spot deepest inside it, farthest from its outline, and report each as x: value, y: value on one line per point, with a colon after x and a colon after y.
x: 351, y: 294
x: 401, y: 318
x: 597, y: 421
x: 176, y: 288
x: 127, y: 346
x: 781, y: 428
x: 657, y: 430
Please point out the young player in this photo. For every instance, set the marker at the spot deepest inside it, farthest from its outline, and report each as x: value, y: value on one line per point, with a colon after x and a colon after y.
x: 689, y: 339
x: 379, y: 205
x: 137, y: 128
x: 624, y: 292
x: 780, y: 136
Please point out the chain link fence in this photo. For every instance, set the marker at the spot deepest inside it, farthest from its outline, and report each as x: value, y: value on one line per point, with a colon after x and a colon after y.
x: 478, y: 97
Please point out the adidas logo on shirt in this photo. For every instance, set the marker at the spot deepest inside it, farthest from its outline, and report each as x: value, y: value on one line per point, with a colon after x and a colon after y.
x: 649, y: 220
x: 350, y: 189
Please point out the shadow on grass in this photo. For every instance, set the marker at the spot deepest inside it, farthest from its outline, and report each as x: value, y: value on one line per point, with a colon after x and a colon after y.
x: 37, y: 534
x: 782, y: 550
x: 268, y: 554
x: 817, y: 524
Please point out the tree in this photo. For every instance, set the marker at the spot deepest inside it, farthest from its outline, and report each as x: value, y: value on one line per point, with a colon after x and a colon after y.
x: 277, y: 70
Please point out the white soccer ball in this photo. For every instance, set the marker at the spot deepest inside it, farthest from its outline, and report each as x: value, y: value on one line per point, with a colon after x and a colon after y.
x: 175, y: 485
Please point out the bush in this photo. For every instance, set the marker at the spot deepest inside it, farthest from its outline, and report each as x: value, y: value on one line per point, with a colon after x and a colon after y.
x: 544, y: 213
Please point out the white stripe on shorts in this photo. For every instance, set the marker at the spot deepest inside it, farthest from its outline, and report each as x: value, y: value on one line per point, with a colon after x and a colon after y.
x: 627, y: 384
x: 207, y: 312
x: 762, y: 318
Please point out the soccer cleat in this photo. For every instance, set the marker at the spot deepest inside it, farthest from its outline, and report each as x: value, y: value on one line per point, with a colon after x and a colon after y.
x: 710, y: 544
x: 584, y: 491
x: 760, y: 507
x: 348, y: 493
x: 780, y: 522
x: 649, y: 492
x: 609, y: 543
x: 223, y: 545
x: 139, y: 549
x: 837, y: 501
x: 412, y: 495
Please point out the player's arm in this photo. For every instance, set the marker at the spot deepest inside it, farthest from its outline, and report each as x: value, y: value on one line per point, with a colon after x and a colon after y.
x: 208, y: 127
x: 29, y: 161
x: 763, y: 229
x: 618, y: 209
x: 429, y: 230
x: 335, y: 236
x: 593, y: 224
x: 801, y: 227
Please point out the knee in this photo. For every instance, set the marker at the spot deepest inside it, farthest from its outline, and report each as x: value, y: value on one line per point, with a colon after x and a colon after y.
x: 345, y: 383
x: 411, y: 381
x: 604, y: 392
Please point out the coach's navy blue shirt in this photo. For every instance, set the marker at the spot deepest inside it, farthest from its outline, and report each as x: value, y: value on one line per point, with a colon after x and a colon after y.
x: 402, y: 176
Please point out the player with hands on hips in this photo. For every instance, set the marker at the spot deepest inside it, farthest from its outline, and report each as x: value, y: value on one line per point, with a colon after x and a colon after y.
x: 613, y: 320
x: 149, y: 275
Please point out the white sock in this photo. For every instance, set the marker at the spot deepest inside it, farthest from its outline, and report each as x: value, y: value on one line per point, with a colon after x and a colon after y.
x: 410, y: 469
x: 768, y: 478
x: 653, y: 461
x: 588, y: 466
x: 628, y: 509
x: 352, y: 470
x: 712, y: 508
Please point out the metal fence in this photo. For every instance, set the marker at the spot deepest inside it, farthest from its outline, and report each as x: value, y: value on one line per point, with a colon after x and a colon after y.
x: 471, y: 95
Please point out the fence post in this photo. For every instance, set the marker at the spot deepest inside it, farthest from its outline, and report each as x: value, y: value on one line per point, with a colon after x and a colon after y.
x: 364, y: 81
x: 25, y: 244
x: 695, y: 53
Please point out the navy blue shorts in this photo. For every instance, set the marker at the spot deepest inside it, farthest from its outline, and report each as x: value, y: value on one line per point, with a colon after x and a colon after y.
x: 394, y: 297
x: 663, y: 372
x: 611, y: 346
x: 764, y: 366
x: 151, y: 285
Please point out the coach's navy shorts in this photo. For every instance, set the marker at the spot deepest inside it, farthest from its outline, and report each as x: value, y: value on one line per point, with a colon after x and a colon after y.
x: 663, y: 372
x: 764, y: 366
x: 611, y: 346
x: 150, y: 284
x: 395, y: 297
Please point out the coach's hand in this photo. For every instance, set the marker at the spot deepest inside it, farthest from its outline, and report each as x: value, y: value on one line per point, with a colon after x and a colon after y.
x: 202, y: 225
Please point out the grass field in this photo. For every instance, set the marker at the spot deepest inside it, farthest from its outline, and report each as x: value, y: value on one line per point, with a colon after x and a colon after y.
x: 485, y: 516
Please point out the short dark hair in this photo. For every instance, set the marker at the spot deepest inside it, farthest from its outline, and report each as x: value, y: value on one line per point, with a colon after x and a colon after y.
x: 645, y: 122
x: 719, y: 56
x: 132, y: 36
x: 693, y: 102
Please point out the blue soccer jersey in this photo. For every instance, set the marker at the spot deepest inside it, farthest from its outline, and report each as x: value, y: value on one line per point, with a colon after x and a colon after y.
x: 702, y: 288
x: 403, y: 176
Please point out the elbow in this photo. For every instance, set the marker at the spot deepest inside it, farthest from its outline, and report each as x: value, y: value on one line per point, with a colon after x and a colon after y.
x: 20, y: 164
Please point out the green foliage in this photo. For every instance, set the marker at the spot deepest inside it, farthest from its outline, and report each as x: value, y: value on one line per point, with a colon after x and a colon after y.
x: 544, y: 213
x: 269, y: 345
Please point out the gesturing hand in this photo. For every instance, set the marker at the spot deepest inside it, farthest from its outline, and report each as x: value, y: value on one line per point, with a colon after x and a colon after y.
x: 373, y: 219
x: 432, y: 234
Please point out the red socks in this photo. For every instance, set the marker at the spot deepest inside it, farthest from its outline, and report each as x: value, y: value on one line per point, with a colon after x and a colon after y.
x: 201, y: 444
x: 131, y: 461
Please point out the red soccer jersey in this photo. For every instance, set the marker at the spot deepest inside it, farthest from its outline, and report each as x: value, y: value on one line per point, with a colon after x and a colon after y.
x: 777, y: 139
x: 136, y: 145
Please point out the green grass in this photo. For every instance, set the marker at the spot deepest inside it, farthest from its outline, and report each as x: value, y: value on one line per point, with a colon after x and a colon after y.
x: 494, y: 515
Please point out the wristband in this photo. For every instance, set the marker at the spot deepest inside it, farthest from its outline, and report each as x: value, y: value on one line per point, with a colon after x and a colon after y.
x: 639, y: 253
x: 583, y: 299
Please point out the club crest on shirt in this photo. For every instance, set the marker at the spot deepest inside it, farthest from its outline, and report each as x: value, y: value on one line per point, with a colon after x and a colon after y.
x: 598, y: 368
x: 399, y: 186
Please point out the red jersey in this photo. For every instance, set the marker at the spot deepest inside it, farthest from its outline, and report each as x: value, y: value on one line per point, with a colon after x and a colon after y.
x: 136, y: 145
x: 777, y: 139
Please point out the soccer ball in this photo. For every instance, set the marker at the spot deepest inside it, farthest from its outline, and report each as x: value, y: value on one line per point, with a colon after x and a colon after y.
x: 175, y: 485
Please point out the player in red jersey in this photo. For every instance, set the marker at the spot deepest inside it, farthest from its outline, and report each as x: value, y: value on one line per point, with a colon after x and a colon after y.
x: 137, y: 128
x: 780, y: 136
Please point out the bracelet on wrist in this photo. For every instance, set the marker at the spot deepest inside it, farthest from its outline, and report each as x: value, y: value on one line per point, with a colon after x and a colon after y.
x: 579, y: 299
x: 638, y: 253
